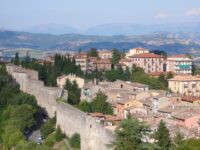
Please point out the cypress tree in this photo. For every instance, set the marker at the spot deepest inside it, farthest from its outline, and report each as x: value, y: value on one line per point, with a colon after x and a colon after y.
x: 162, y: 136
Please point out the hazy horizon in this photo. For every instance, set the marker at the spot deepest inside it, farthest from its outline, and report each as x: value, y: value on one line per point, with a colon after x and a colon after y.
x: 23, y: 14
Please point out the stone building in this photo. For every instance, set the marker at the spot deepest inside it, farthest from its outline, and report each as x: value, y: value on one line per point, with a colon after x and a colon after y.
x: 179, y: 64
x: 150, y: 62
x: 105, y: 54
x: 137, y: 50
x: 83, y: 62
x: 103, y: 65
x: 186, y: 85
x: 126, y: 62
x: 61, y: 80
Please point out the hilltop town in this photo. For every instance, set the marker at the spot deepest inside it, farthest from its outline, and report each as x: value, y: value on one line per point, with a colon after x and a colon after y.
x: 99, y: 89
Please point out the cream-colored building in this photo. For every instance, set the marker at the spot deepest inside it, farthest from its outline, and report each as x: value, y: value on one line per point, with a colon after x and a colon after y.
x: 181, y: 64
x: 61, y: 80
x: 83, y: 62
x: 150, y: 62
x: 126, y: 62
x: 137, y: 50
x: 105, y: 54
x: 186, y: 85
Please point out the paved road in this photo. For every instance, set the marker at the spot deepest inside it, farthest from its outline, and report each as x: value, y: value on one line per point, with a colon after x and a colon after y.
x: 34, y: 136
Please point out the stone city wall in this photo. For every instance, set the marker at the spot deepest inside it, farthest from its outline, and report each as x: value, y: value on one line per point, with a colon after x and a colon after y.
x: 94, y: 136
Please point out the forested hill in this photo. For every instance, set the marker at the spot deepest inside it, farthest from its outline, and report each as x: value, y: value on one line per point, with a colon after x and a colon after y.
x: 172, y: 43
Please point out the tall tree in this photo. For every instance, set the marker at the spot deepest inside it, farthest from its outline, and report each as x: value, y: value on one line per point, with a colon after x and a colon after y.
x: 92, y: 52
x: 27, y: 58
x: 130, y: 135
x: 115, y: 56
x: 74, y: 92
x: 170, y: 75
x: 162, y: 136
x: 100, y: 104
x: 16, y: 59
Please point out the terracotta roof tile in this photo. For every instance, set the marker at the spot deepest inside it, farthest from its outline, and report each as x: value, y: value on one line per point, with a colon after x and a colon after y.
x: 102, y: 61
x: 166, y: 73
x: 140, y: 49
x: 105, y: 51
x: 125, y: 60
x: 190, y: 98
x: 96, y: 114
x: 178, y: 56
x: 146, y: 55
x: 184, y: 78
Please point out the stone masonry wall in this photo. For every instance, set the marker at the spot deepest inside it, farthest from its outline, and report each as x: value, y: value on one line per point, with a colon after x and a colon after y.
x: 94, y: 136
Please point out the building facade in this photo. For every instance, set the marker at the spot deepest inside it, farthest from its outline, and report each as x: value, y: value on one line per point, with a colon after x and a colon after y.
x: 137, y: 50
x: 103, y: 65
x: 186, y: 85
x: 105, y: 54
x: 179, y: 64
x: 83, y: 62
x: 61, y: 80
x: 150, y: 62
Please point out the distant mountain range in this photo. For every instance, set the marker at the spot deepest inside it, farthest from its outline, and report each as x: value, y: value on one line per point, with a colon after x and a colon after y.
x: 117, y: 29
x: 170, y: 42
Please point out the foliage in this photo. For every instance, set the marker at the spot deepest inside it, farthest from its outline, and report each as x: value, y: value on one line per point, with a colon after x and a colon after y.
x: 112, y: 75
x: 92, y: 53
x: 100, y: 104
x: 22, y: 117
x: 115, y: 56
x: 59, y: 135
x: 139, y: 76
x: 85, y: 106
x: 178, y: 139
x: 16, y: 60
x: 48, y: 72
x: 61, y: 100
x: 74, y: 92
x: 50, y: 140
x: 47, y: 129
x: 31, y: 146
x: 75, y: 140
x: 129, y: 136
x: 162, y: 136
x: 189, y: 144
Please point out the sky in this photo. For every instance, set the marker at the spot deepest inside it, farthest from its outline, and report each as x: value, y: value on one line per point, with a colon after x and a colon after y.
x: 83, y: 14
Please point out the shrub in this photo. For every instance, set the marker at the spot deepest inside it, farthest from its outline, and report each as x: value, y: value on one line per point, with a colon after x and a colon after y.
x: 59, y: 135
x: 46, y: 129
x: 75, y: 140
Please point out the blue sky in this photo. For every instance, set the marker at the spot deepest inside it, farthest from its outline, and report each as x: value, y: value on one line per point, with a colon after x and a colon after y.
x: 20, y: 14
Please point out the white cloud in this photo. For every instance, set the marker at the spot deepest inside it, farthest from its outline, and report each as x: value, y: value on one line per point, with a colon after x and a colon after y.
x: 195, y: 11
x: 161, y: 16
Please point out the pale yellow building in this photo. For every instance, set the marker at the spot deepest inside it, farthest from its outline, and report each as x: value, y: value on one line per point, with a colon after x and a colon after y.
x: 186, y: 85
x: 61, y: 80
x: 135, y: 51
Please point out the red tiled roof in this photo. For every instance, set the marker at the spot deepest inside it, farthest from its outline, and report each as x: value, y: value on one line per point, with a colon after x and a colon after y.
x: 122, y: 64
x: 190, y: 98
x: 105, y: 51
x: 125, y: 60
x: 109, y: 118
x: 2, y: 60
x: 165, y: 73
x: 102, y: 61
x: 146, y: 55
x: 141, y: 49
x: 178, y: 56
x: 81, y: 57
x: 96, y: 114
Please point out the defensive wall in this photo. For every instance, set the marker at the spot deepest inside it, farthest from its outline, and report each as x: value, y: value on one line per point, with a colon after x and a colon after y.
x: 94, y: 136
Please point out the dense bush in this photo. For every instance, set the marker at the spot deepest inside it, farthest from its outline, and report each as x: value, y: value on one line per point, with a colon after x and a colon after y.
x: 75, y: 140
x: 59, y: 136
x: 47, y: 129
